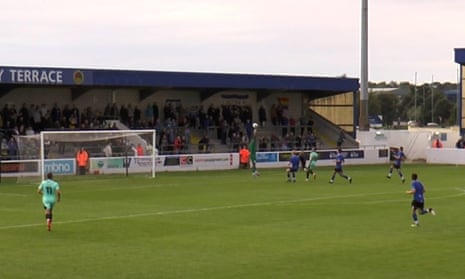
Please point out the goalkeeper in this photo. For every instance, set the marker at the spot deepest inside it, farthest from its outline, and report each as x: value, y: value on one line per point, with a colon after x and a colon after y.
x: 253, y: 151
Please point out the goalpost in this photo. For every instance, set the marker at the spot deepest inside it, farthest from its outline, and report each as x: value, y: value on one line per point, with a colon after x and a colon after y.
x: 130, y: 151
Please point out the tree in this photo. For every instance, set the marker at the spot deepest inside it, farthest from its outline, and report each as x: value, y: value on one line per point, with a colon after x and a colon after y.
x: 443, y: 110
x: 374, y: 107
x: 389, y: 104
x: 417, y: 104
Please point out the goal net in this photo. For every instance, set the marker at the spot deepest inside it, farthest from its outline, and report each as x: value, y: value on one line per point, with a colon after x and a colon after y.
x: 108, y: 152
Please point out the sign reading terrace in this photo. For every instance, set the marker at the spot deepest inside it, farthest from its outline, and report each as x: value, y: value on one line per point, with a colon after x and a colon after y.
x: 31, y: 76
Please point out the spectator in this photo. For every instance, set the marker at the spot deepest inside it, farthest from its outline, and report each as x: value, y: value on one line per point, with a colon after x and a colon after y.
x: 275, y: 142
x: 36, y: 119
x: 114, y: 111
x: 66, y: 116
x: 235, y: 141
x: 263, y: 144
x: 134, y: 150
x: 244, y: 157
x: 310, y: 141
x: 460, y: 143
x: 148, y: 113
x: 130, y: 116
x: 107, y: 150
x: 5, y: 115
x: 204, y: 143
x: 12, y: 149
x: 155, y: 112
x: 274, y: 115
x: 13, y: 115
x: 4, y: 148
x: 224, y: 128
x: 137, y: 116
x: 56, y: 114
x: 139, y: 150
x: 107, y: 111
x: 340, y: 139
x: 248, y: 129
x: 29, y: 131
x: 124, y: 115
x: 262, y: 115
x: 437, y: 143
x: 73, y: 121
x: 187, y: 136
x: 43, y: 112
x: 178, y: 145
x: 25, y: 113
x: 22, y: 130
x: 82, y: 158
x: 292, y: 124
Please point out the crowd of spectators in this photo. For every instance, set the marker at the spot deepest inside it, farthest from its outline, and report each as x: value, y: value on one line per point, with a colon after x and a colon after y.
x: 290, y: 141
x: 175, y: 124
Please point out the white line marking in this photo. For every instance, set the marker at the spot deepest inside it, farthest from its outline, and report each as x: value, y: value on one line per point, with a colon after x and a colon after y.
x: 179, y: 211
x: 160, y: 213
x: 460, y: 189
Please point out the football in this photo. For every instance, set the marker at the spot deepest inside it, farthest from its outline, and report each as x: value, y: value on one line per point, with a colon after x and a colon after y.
x: 255, y: 125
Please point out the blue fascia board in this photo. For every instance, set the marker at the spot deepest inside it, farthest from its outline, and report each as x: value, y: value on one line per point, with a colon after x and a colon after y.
x: 218, y: 80
x: 460, y: 56
x: 48, y: 76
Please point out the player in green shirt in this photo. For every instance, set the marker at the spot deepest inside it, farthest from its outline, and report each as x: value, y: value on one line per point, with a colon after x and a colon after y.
x: 311, y: 164
x: 51, y: 194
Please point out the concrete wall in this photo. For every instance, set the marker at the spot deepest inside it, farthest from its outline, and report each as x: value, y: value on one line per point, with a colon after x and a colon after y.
x: 452, y: 156
x: 416, y: 141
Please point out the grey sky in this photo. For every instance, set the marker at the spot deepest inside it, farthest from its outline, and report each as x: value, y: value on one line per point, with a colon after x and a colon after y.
x: 296, y: 37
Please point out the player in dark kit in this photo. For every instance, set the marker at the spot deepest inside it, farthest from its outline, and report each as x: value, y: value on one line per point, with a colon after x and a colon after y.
x: 338, y: 168
x: 398, y: 158
x: 293, y: 166
x: 418, y: 201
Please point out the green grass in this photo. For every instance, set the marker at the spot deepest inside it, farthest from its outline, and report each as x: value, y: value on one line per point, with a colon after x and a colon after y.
x: 231, y: 225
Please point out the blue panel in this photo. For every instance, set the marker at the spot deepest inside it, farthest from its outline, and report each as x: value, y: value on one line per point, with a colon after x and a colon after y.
x: 460, y: 55
x: 230, y: 81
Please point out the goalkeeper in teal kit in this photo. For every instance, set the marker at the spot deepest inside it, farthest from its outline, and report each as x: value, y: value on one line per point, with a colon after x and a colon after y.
x: 51, y: 194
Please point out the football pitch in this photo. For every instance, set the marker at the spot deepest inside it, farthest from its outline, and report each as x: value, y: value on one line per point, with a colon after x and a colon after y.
x: 228, y: 224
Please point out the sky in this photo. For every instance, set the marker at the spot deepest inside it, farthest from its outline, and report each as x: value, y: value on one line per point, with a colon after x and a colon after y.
x: 408, y: 40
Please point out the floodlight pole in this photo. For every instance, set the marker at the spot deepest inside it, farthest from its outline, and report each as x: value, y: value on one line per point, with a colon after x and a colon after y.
x: 415, y: 96
x: 363, y: 118
x: 459, y: 99
x: 432, y: 99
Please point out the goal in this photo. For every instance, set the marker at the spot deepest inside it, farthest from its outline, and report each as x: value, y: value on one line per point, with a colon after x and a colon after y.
x: 129, y: 151
x: 109, y: 152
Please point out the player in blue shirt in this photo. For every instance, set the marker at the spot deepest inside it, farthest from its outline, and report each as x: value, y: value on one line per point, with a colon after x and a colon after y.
x: 51, y: 194
x: 338, y: 168
x: 398, y: 158
x: 418, y: 202
x: 293, y: 166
